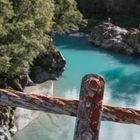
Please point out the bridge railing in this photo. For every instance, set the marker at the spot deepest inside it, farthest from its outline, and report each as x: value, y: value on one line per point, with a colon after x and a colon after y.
x: 89, y: 109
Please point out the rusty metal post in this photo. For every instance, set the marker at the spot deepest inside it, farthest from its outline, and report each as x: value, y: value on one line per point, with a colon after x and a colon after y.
x: 90, y: 108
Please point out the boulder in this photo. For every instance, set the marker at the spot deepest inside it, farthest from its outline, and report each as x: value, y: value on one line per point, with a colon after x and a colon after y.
x: 107, y: 35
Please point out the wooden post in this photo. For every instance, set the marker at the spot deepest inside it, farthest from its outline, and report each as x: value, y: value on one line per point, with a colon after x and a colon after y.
x: 90, y: 108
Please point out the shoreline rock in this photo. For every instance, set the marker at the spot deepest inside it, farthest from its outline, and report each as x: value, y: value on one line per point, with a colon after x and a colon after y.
x: 48, y: 66
x: 108, y: 36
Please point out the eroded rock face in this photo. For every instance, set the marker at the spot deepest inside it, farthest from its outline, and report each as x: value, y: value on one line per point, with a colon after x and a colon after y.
x: 48, y: 66
x: 109, y: 36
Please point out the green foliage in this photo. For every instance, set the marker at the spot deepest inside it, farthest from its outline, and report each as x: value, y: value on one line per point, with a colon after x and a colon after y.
x: 25, y: 29
x: 67, y: 16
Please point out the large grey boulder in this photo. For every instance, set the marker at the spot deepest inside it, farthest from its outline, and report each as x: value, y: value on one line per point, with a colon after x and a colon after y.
x: 108, y: 36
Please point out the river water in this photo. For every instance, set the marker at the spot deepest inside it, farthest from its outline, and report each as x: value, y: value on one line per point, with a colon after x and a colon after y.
x: 122, y: 75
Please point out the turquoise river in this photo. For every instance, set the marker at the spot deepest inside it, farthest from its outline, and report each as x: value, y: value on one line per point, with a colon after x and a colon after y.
x: 122, y: 75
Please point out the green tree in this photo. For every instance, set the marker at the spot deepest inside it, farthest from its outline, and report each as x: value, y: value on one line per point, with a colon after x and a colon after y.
x: 67, y: 16
x: 25, y: 29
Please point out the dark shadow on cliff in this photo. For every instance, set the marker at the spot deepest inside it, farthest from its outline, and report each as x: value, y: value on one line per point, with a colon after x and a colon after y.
x: 121, y: 83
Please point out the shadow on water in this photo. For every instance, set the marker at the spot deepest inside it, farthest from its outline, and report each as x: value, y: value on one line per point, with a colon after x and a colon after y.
x: 123, y: 85
x: 72, y: 43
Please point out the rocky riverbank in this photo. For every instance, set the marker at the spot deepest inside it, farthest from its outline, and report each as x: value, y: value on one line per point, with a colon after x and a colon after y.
x: 109, y: 36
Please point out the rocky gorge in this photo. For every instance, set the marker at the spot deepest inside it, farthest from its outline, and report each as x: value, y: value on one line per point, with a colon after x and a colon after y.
x: 109, y: 36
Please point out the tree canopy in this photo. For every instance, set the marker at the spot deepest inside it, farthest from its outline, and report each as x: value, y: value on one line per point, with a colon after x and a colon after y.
x: 26, y: 27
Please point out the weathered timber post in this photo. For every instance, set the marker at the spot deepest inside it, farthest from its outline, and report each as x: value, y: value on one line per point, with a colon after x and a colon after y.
x: 90, y: 108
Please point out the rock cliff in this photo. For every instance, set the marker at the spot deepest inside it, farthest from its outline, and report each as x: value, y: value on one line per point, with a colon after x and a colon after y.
x: 48, y: 66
